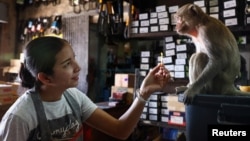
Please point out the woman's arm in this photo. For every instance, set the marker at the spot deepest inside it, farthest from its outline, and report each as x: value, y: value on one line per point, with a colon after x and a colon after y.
x: 121, y: 128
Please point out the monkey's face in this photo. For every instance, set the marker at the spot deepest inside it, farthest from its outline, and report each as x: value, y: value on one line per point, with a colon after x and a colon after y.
x: 181, y: 26
x: 187, y: 18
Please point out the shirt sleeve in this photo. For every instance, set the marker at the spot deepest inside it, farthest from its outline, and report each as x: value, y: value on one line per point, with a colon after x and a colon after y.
x: 11, y: 126
x: 87, y: 106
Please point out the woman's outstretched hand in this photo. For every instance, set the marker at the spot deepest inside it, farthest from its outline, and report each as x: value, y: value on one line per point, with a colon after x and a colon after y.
x: 156, y: 80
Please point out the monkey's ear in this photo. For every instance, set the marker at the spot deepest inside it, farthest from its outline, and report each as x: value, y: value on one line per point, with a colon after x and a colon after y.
x: 193, y: 9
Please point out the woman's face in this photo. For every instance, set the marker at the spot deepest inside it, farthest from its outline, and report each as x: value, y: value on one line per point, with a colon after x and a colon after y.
x: 66, y: 69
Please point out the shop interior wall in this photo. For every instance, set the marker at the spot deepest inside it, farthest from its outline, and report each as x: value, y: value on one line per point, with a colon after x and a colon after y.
x: 8, y: 36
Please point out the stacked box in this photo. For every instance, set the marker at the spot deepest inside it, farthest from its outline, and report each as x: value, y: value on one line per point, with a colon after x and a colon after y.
x: 163, y: 18
x: 146, y: 62
x: 152, y: 108
x: 213, y: 8
x: 155, y: 21
x: 172, y: 11
x: 164, y: 108
x: 174, y: 109
x: 169, y: 54
x: 176, y: 55
x: 8, y: 92
x: 123, y: 88
x: 232, y: 13
x: 124, y: 80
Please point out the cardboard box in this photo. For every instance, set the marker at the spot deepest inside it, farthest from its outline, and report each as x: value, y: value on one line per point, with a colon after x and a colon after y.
x: 176, y: 106
x: 8, y: 88
x: 122, y: 93
x: 124, y: 80
x: 7, y: 99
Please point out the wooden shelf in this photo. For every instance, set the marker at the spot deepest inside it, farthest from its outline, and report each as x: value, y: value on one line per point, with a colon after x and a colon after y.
x: 152, y: 35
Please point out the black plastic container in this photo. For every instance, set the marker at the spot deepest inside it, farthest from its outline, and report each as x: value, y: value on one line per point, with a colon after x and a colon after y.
x: 212, y: 110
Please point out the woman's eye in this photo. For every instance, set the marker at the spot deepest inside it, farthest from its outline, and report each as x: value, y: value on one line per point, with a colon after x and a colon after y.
x: 67, y: 64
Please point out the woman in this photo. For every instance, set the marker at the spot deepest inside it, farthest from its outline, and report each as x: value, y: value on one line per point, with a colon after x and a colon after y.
x: 53, y: 109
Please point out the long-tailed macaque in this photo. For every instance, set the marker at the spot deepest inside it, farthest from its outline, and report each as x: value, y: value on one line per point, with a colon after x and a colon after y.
x: 215, y: 65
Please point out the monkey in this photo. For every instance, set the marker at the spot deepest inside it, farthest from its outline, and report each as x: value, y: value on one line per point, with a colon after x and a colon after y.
x: 215, y: 64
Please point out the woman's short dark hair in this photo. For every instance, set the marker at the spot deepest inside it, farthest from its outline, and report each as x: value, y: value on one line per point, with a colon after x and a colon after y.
x: 39, y: 56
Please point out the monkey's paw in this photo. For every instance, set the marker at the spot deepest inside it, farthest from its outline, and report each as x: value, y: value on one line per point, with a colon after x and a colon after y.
x: 189, y: 96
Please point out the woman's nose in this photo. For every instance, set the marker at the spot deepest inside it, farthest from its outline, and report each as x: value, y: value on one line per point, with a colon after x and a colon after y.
x: 77, y: 67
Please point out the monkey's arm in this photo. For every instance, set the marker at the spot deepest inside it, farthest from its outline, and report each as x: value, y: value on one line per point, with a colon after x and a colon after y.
x: 212, y: 68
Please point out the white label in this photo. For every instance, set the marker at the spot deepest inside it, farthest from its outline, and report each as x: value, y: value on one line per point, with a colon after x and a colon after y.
x: 153, y: 21
x: 144, y: 60
x: 177, y: 119
x: 180, y: 61
x: 200, y: 3
x: 144, y: 66
x: 230, y: 22
x: 230, y: 4
x: 214, y: 9
x: 153, y: 110
x: 170, y: 45
x: 213, y: 2
x: 248, y: 20
x: 167, y: 60
x: 135, y: 23
x: 179, y: 68
x: 163, y: 14
x: 181, y: 55
x: 170, y: 52
x: 161, y: 8
x: 134, y: 30
x: 216, y: 16
x: 229, y: 13
x: 143, y: 29
x: 169, y: 39
x: 169, y: 67
x: 144, y: 23
x: 153, y: 15
x: 173, y: 9
x: 182, y: 47
x: 165, y: 111
x: 143, y: 73
x: 143, y: 16
x: 145, y: 53
x: 179, y: 74
x: 164, y: 119
x: 154, y: 28
x: 163, y: 27
x: 153, y: 117
x: 164, y: 21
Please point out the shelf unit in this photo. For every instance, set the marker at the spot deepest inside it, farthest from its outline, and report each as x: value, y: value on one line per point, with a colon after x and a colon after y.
x: 154, y: 34
x: 237, y: 31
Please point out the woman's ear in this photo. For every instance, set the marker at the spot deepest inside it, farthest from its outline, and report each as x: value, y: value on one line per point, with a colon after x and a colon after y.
x: 44, y: 78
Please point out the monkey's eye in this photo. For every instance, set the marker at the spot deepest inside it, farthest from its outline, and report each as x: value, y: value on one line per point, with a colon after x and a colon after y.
x: 176, y: 16
x: 178, y: 19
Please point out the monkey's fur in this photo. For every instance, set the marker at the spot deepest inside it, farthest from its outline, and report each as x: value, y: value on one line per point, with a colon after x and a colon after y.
x: 215, y: 65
